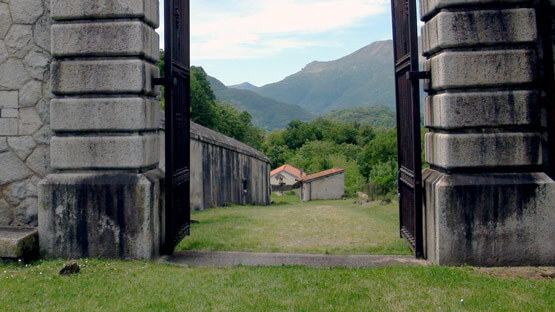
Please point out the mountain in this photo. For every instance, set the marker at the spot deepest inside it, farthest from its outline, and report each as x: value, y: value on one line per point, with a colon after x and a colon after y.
x: 266, y: 113
x: 377, y: 116
x: 244, y: 86
x: 363, y: 78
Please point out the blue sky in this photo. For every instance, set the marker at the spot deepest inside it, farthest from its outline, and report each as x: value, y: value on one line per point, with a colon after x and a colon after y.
x: 263, y: 41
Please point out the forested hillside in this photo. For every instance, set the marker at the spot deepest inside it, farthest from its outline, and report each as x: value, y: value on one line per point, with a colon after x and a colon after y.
x: 266, y: 113
x: 377, y: 116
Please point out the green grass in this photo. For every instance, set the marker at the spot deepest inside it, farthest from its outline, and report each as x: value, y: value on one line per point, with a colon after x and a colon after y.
x: 333, y: 226
x: 143, y: 286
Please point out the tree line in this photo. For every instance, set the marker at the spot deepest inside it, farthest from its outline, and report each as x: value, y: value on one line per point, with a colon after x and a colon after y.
x: 368, y: 154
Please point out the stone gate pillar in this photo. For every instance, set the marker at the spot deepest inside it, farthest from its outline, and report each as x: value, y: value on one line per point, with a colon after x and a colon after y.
x: 488, y: 198
x: 103, y: 198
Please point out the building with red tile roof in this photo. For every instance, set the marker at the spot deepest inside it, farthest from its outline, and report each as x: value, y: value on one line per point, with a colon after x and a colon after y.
x: 327, y: 184
x: 285, y: 175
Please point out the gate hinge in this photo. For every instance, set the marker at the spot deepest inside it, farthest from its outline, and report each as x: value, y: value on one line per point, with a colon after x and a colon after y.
x: 164, y: 81
x: 419, y: 75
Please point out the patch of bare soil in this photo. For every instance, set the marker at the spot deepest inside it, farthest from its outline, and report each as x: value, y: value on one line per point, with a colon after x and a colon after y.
x: 535, y: 273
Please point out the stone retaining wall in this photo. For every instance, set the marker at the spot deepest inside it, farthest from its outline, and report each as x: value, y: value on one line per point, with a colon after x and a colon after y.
x: 24, y: 107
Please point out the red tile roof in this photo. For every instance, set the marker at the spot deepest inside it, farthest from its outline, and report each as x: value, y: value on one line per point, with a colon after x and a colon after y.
x: 321, y: 174
x: 289, y: 169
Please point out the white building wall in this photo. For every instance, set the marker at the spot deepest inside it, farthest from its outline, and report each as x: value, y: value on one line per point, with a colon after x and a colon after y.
x: 288, y: 179
x: 331, y: 187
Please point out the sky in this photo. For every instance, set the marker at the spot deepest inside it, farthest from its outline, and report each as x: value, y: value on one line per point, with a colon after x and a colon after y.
x: 263, y: 41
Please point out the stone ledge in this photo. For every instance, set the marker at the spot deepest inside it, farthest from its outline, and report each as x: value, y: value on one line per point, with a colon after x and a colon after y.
x: 480, y: 69
x: 104, y: 114
x: 483, y: 150
x: 110, y: 215
x: 429, y: 7
x: 489, y: 219
x: 133, y: 38
x: 482, y: 109
x: 105, y: 77
x: 478, y: 28
x: 18, y: 242
x: 147, y: 10
x: 104, y: 152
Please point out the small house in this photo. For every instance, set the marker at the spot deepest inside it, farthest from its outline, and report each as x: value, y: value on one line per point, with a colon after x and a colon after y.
x: 285, y: 177
x: 327, y: 184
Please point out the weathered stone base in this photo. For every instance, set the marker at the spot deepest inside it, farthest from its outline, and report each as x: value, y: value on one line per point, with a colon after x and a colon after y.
x: 111, y: 215
x: 489, y: 219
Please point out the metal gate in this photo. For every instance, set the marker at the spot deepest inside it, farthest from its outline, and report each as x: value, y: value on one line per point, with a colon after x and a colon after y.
x: 407, y: 93
x: 177, y: 217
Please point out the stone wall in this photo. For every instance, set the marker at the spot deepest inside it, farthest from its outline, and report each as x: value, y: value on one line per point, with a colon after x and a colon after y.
x: 24, y: 107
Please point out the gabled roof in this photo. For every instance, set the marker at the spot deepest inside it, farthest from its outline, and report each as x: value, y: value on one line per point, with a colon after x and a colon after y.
x: 289, y: 169
x: 321, y: 174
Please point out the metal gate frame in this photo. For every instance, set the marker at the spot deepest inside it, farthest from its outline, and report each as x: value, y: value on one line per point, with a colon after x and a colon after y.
x: 177, y: 215
x: 405, y: 40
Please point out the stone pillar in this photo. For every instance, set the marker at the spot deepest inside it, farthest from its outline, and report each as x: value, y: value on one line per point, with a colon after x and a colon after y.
x: 103, y: 198
x: 488, y: 198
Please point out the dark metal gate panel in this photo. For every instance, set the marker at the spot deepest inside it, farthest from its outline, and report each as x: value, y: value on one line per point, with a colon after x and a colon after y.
x: 177, y: 94
x: 405, y: 43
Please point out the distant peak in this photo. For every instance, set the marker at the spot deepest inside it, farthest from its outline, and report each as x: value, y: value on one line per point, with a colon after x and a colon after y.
x: 244, y: 86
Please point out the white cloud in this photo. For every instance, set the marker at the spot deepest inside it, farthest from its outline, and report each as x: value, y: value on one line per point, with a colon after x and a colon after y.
x: 262, y: 28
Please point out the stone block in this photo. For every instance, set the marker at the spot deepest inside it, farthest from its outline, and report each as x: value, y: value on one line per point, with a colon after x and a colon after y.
x: 3, y: 144
x: 12, y: 168
x: 26, y: 11
x: 41, y: 32
x: 105, y: 114
x: 483, y: 150
x: 482, y: 110
x: 5, y: 19
x: 430, y: 7
x: 108, y: 76
x: 106, y: 215
x: 3, y: 52
x: 133, y: 38
x: 106, y: 9
x: 19, y: 40
x: 489, y: 219
x: 39, y: 160
x: 19, y: 242
x: 22, y: 146
x: 28, y: 121
x: 36, y: 63
x: 104, y: 152
x: 480, y: 69
x: 6, y: 213
x: 8, y: 99
x: 14, y: 75
x: 8, y: 126
x: 8, y: 113
x: 478, y: 28
x: 30, y: 94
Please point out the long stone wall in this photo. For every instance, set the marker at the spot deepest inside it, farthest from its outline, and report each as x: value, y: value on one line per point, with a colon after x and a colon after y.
x: 24, y: 107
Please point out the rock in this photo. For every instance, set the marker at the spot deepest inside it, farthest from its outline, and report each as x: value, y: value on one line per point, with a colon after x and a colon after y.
x: 26, y: 213
x: 3, y: 144
x: 43, y: 108
x: 30, y: 94
x: 32, y: 186
x: 22, y: 145
x: 5, y: 20
x: 19, y: 40
x: 26, y: 12
x: 362, y: 196
x: 16, y: 193
x: 43, y: 135
x: 38, y: 161
x: 6, y: 213
x: 3, y: 52
x: 8, y: 99
x: 12, y: 168
x: 36, y: 63
x: 70, y: 268
x: 41, y: 32
x: 14, y: 75
x: 29, y: 121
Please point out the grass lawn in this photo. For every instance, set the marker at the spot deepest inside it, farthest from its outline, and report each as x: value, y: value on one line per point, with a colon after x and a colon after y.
x: 143, y: 286
x: 331, y: 226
